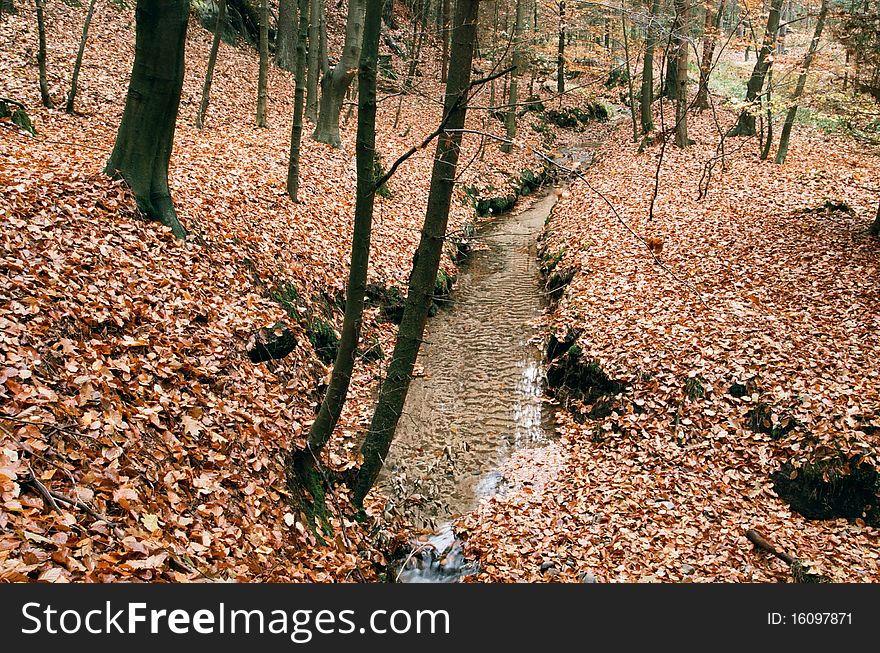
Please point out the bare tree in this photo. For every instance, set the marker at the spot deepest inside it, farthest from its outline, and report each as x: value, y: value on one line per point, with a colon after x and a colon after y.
x: 41, y: 57
x: 212, y: 61
x: 71, y: 97
x: 263, y: 74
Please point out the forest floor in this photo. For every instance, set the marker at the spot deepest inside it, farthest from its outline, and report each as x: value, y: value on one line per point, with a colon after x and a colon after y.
x: 749, y: 346
x: 125, y: 382
x: 126, y: 386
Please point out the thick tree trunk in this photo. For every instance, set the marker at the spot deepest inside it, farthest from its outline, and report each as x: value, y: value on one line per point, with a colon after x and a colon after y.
x: 298, y: 101
x: 513, y: 89
x: 710, y: 38
x: 336, y: 81
x: 41, y: 57
x: 427, y: 259
x: 263, y: 74
x: 671, y: 79
x: 782, y: 152
x: 146, y: 134
x: 212, y: 61
x: 745, y: 125
x: 560, y: 51
x: 647, y: 95
x: 304, y: 462
x: 285, y: 35
x: 681, y: 69
x: 71, y: 97
x: 316, y: 11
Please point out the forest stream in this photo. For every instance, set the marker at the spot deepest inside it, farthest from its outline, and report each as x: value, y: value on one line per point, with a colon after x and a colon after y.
x: 480, y: 396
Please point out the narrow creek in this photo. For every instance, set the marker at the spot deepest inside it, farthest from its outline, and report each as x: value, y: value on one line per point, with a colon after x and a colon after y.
x: 479, y: 396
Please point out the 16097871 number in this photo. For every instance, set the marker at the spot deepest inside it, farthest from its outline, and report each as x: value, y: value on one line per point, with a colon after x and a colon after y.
x: 821, y: 618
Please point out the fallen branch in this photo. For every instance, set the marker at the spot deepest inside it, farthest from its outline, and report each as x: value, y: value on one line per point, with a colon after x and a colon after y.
x: 41, y: 489
x: 798, y: 569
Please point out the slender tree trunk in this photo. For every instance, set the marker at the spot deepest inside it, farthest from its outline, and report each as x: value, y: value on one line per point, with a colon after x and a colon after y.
x: 768, y: 114
x: 41, y: 57
x: 629, y: 79
x: 710, y: 38
x: 304, y: 462
x: 681, y: 63
x: 560, y: 51
x: 298, y: 101
x: 513, y: 89
x: 285, y: 35
x: 314, y: 66
x: 336, y: 81
x: 647, y: 95
x: 444, y: 54
x: 212, y: 61
x: 263, y: 75
x: 745, y: 125
x: 146, y: 134
x: 427, y: 258
x: 782, y: 152
x: 71, y: 97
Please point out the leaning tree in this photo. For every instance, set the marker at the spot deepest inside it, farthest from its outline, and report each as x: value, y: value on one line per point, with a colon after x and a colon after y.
x: 146, y: 134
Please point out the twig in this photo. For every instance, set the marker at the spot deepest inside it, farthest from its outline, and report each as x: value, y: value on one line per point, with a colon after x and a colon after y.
x: 426, y: 545
x: 42, y: 490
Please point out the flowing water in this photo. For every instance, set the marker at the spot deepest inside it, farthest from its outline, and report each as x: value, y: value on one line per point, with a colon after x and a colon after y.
x: 481, y: 394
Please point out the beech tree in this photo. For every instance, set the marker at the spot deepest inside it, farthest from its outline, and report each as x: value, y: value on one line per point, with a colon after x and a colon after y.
x: 427, y: 259
x: 560, y: 49
x: 317, y: 37
x: 285, y: 35
x: 298, y: 101
x: 146, y: 134
x: 45, y: 98
x: 682, y: 11
x: 71, y: 97
x: 710, y: 39
x: 647, y: 94
x: 782, y: 152
x: 336, y: 81
x: 212, y: 61
x: 745, y: 124
x: 263, y: 73
x: 513, y: 88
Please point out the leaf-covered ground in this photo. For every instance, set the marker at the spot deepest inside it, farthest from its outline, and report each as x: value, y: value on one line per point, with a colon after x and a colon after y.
x: 125, y: 384
x: 782, y: 298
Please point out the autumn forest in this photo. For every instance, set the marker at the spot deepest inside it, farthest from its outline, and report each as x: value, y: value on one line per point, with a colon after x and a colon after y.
x: 386, y: 291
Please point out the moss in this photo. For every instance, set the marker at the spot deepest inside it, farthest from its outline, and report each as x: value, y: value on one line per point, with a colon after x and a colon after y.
x: 324, y: 339
x: 694, y: 388
x: 378, y: 171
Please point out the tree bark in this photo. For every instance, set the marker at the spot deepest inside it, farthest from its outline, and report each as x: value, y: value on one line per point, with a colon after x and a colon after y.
x: 444, y: 53
x: 745, y: 125
x: 336, y: 81
x: 681, y: 64
x: 298, y: 101
x: 304, y: 462
x: 263, y: 75
x: 316, y: 11
x: 427, y: 259
x: 710, y: 39
x: 647, y: 95
x: 782, y: 152
x: 41, y: 57
x: 212, y: 61
x: 146, y: 134
x: 285, y: 35
x: 71, y: 97
x: 560, y: 51
x: 513, y: 89
x: 629, y: 79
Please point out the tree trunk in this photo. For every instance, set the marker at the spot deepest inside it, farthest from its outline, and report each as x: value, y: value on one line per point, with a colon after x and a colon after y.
x: 647, y: 95
x: 285, y: 35
x: 745, y: 125
x: 298, y: 101
x: 146, y: 134
x: 444, y: 54
x: 427, y: 259
x: 71, y: 97
x: 782, y: 152
x: 263, y: 75
x: 875, y: 227
x: 336, y: 81
x: 681, y: 65
x: 710, y: 38
x: 212, y: 61
x: 316, y: 8
x: 513, y: 89
x: 629, y: 79
x: 41, y: 57
x: 560, y: 51
x: 304, y: 462
x: 768, y: 114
